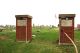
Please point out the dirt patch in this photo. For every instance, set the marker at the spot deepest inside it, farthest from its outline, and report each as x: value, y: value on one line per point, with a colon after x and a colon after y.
x: 3, y: 37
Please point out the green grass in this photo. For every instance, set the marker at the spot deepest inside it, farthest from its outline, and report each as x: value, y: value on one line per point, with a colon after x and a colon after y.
x: 44, y: 42
x: 77, y: 34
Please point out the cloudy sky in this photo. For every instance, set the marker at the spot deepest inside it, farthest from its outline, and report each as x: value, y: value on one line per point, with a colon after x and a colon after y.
x: 44, y: 12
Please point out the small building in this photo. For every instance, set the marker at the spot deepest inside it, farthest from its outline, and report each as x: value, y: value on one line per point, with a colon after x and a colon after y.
x: 66, y: 26
x: 23, y: 28
x: 78, y: 26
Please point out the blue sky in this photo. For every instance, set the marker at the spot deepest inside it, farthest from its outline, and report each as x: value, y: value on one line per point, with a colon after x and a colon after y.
x: 44, y: 12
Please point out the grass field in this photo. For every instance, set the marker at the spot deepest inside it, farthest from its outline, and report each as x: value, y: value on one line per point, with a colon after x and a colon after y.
x: 44, y: 42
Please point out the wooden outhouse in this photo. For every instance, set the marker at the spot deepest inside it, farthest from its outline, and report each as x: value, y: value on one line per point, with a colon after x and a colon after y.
x: 66, y: 25
x: 23, y: 28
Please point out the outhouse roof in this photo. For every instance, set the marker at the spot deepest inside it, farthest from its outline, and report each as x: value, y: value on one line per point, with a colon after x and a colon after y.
x: 26, y: 16
x: 66, y: 15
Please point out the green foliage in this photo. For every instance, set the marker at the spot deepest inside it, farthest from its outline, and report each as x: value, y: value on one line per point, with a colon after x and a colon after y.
x: 77, y: 34
x: 44, y: 42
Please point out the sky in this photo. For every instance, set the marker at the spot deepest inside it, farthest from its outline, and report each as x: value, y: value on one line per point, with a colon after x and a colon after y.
x: 44, y: 12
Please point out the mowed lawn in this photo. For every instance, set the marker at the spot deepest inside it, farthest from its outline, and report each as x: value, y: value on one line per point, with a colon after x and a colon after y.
x: 45, y: 41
